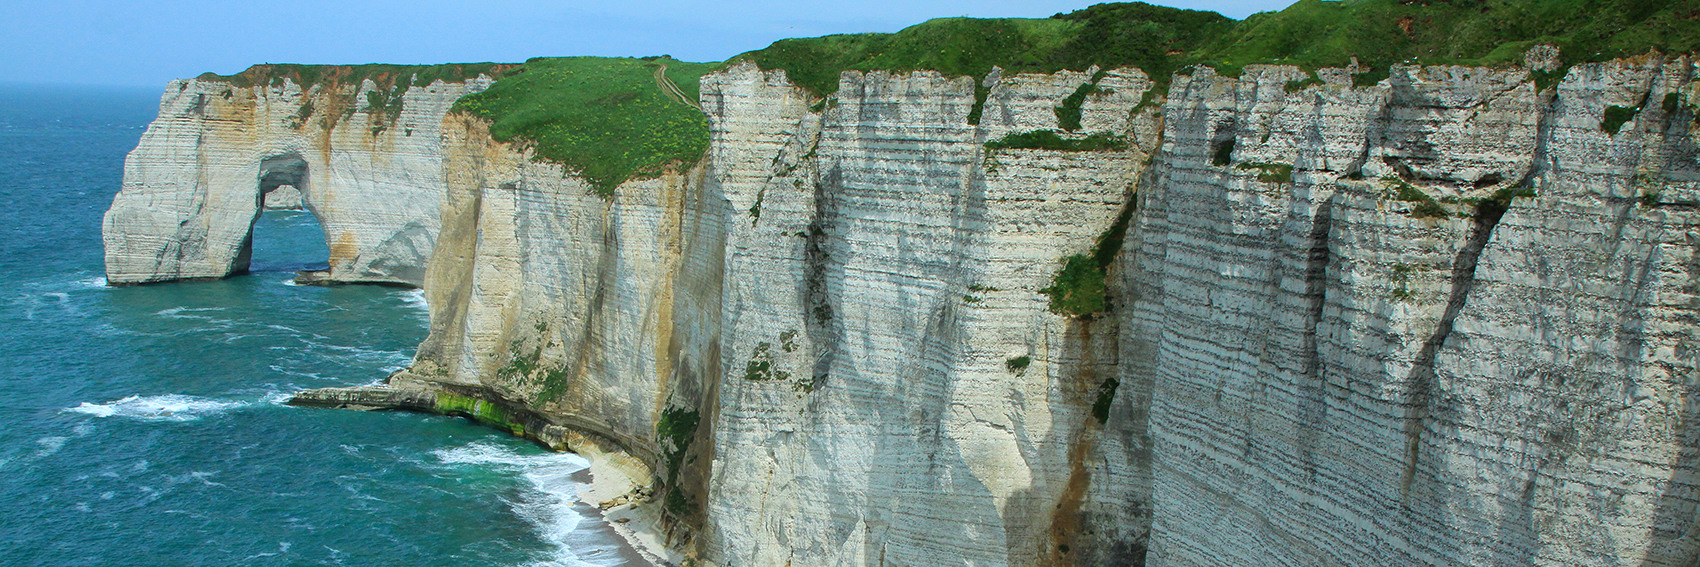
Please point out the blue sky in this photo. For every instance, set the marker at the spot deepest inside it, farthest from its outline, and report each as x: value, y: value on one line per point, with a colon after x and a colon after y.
x: 133, y: 43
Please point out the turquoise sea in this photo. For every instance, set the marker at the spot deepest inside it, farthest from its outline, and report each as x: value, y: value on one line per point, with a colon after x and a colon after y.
x: 144, y: 425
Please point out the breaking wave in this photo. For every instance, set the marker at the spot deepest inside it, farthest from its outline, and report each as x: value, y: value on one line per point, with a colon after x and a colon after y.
x: 548, y: 503
x: 168, y: 407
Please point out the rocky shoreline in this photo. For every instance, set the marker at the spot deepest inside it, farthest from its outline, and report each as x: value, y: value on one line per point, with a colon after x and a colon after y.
x: 612, y: 495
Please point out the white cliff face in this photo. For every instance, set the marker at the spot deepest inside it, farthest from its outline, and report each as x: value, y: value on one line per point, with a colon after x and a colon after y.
x: 1444, y: 320
x: 844, y: 285
x: 1337, y: 382
x: 878, y: 282
x: 558, y: 298
x: 194, y: 185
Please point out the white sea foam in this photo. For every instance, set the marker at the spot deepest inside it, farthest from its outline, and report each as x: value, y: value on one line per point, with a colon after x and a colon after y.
x: 169, y: 407
x: 548, y: 504
x: 49, y: 445
x: 415, y: 299
x: 179, y: 312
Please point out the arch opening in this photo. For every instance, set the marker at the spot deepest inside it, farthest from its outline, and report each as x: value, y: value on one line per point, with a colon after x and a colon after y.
x: 291, y: 237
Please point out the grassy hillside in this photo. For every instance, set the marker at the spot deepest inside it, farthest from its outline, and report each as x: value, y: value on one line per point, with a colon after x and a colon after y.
x: 1134, y: 34
x: 1476, y: 32
x: 1310, y: 33
x: 604, y: 117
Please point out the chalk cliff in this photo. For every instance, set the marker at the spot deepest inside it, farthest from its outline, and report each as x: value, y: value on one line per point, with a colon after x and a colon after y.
x: 1444, y: 319
x: 363, y: 155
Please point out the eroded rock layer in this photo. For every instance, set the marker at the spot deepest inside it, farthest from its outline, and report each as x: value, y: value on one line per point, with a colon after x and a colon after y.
x: 1459, y: 336
x: 196, y: 183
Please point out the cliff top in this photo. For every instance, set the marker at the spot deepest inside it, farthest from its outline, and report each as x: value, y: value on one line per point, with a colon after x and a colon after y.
x: 609, y: 118
x: 1310, y: 33
x: 612, y: 119
x: 383, y: 74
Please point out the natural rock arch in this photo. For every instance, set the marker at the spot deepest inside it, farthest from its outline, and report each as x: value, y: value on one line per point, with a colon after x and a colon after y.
x: 288, y: 170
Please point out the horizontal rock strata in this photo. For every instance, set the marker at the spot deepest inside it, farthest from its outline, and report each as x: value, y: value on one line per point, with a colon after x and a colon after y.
x: 1446, y: 319
x: 195, y: 184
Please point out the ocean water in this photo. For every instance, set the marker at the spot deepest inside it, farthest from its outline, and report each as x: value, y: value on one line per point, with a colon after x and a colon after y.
x: 144, y: 425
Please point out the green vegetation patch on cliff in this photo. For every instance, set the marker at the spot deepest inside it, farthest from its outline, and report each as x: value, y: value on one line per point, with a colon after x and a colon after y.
x: 675, y: 432
x: 1424, y: 207
x: 384, y: 75
x: 1379, y: 33
x: 1049, y: 140
x: 1614, y: 117
x: 1079, y: 289
x: 606, y: 118
x: 1152, y: 38
x: 1271, y: 172
x: 1309, y: 34
x: 481, y: 411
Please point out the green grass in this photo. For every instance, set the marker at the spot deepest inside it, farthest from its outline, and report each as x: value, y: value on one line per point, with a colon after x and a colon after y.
x: 1426, y: 206
x: 1316, y: 33
x: 1068, y: 115
x: 1302, y: 84
x: 1271, y: 172
x: 1109, y: 35
x: 1018, y: 363
x: 382, y: 74
x: 760, y: 366
x: 1309, y: 34
x: 1371, y: 77
x: 1048, y: 140
x: 301, y: 115
x: 1079, y: 289
x: 604, y: 118
x: 1616, y: 116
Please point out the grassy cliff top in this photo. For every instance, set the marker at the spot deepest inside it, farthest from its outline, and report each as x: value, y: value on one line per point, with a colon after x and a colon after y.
x: 1310, y: 33
x: 609, y: 118
x: 1108, y: 35
x: 384, y: 75
x: 1379, y: 33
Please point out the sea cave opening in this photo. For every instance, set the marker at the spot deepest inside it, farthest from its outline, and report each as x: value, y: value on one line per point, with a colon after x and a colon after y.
x: 285, y: 234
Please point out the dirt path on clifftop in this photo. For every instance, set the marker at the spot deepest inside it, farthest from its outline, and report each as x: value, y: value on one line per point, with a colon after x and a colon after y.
x: 672, y: 89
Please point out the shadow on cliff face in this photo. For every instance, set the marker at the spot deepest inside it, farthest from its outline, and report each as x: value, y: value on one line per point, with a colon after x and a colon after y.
x: 1068, y: 522
x: 1676, y: 527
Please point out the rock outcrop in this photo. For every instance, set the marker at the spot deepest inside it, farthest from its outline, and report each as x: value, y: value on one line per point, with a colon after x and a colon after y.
x: 196, y: 183
x: 1458, y: 336
x: 1446, y: 319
